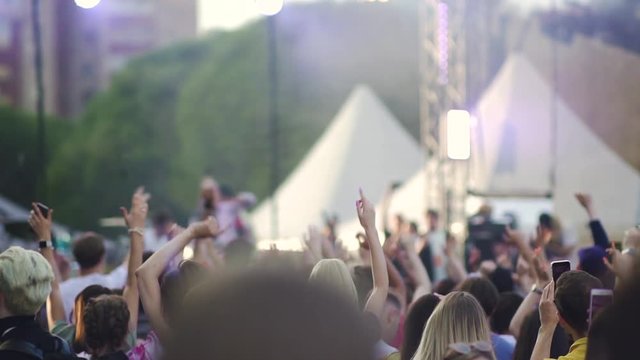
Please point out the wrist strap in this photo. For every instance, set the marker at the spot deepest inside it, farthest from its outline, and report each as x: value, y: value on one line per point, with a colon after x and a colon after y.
x: 44, y: 244
x: 137, y: 230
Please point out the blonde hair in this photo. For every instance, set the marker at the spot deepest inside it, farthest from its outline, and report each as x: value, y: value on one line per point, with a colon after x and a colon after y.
x: 25, y: 280
x: 334, y: 274
x: 458, y: 318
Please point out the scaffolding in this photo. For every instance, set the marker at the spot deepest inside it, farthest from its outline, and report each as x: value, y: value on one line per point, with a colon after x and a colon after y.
x: 442, y: 87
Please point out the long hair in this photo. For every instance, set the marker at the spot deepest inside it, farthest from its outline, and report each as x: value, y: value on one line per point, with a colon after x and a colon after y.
x: 415, y: 322
x: 106, y: 320
x: 334, y: 274
x: 457, y: 318
x: 82, y: 299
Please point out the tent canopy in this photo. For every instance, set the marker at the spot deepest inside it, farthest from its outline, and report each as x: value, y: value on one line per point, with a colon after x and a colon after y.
x: 363, y: 147
x: 515, y: 143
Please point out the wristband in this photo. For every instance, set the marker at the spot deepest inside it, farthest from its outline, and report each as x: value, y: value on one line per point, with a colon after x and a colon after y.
x: 536, y: 289
x: 137, y: 230
x: 44, y: 244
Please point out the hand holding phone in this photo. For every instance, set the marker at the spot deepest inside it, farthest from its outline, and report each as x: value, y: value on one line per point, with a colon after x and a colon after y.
x: 600, y: 298
x: 558, y: 268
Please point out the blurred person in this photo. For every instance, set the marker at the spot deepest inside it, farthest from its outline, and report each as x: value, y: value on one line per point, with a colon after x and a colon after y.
x: 333, y: 273
x: 89, y: 252
x: 159, y: 233
x: 106, y: 323
x: 269, y: 316
x: 25, y: 284
x: 506, y: 307
x: 566, y: 303
x: 528, y: 333
x: 74, y: 331
x: 222, y: 203
x: 414, y: 324
x: 432, y: 247
x: 487, y: 295
x: 502, y: 279
x: 457, y: 318
x: 162, y: 294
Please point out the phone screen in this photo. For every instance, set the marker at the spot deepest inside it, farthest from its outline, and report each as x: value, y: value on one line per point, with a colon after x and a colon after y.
x: 559, y: 267
x: 43, y: 209
x: 600, y: 298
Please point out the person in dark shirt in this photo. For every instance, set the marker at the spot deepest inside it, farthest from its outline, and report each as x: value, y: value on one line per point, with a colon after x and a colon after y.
x: 25, y: 284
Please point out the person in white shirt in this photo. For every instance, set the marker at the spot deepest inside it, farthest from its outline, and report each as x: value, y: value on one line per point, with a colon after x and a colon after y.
x: 89, y: 252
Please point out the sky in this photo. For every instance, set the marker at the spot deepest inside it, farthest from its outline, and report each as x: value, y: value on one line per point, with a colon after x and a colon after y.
x: 231, y: 14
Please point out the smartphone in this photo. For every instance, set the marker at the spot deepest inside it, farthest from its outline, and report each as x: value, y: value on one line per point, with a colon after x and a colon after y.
x: 558, y: 268
x: 600, y: 298
x: 43, y: 209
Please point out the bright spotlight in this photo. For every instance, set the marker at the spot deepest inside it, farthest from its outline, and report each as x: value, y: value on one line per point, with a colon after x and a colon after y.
x: 458, y: 135
x: 87, y: 4
x: 269, y: 7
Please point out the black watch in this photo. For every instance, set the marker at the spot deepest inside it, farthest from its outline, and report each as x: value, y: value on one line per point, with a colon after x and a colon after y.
x: 43, y: 244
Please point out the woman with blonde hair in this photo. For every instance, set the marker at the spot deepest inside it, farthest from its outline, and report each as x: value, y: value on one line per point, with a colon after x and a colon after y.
x: 334, y: 274
x: 458, y: 318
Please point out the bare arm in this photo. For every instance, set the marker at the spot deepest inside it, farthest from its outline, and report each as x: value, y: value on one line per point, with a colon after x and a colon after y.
x: 418, y: 272
x: 396, y: 282
x: 549, y: 321
x: 542, y: 279
x: 149, y: 273
x: 367, y: 216
x: 135, y: 220
x: 42, y: 227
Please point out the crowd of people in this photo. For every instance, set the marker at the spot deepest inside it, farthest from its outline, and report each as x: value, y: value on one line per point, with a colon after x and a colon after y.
x: 406, y: 296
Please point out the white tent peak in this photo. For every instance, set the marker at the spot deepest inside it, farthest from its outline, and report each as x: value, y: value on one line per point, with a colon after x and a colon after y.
x: 364, y: 146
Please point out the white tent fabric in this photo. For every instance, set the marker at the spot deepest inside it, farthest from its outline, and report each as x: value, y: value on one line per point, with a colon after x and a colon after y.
x: 364, y: 146
x: 513, y: 144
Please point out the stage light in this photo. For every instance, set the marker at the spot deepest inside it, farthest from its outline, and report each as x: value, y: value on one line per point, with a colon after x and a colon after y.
x: 269, y: 7
x: 87, y: 4
x: 458, y: 135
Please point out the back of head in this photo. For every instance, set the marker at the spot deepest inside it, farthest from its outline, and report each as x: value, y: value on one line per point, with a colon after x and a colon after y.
x: 177, y: 283
x: 445, y: 286
x: 106, y: 320
x: 572, y: 297
x: 363, y: 280
x: 484, y: 291
x: 458, y: 318
x: 415, y: 322
x: 86, y: 295
x: 529, y: 334
x: 268, y: 316
x: 333, y: 273
x: 507, y: 306
x: 501, y: 278
x: 88, y: 250
x: 614, y: 332
x: 25, y: 280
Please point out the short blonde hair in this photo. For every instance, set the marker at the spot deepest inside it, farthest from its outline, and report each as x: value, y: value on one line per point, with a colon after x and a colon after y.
x: 334, y: 274
x: 458, y: 318
x: 25, y: 280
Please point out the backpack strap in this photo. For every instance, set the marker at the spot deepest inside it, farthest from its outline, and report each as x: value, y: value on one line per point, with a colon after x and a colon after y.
x: 23, y: 347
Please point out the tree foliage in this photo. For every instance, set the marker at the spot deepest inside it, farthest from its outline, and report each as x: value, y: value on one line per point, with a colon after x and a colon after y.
x: 201, y: 107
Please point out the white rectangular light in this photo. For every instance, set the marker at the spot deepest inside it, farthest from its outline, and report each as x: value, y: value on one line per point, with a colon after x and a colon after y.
x: 458, y: 135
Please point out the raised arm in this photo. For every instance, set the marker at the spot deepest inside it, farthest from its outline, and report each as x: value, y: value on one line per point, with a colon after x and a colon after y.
x: 41, y: 225
x: 598, y: 233
x: 135, y: 219
x: 367, y: 216
x: 418, y: 272
x: 542, y: 279
x: 396, y: 283
x: 548, y: 320
x: 149, y: 273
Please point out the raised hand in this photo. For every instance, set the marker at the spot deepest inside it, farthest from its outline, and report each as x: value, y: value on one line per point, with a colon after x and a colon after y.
x: 366, y: 212
x: 543, y: 236
x: 585, y: 200
x: 205, y: 228
x: 548, y: 311
x: 620, y: 264
x: 540, y: 268
x: 40, y: 224
x: 137, y: 215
